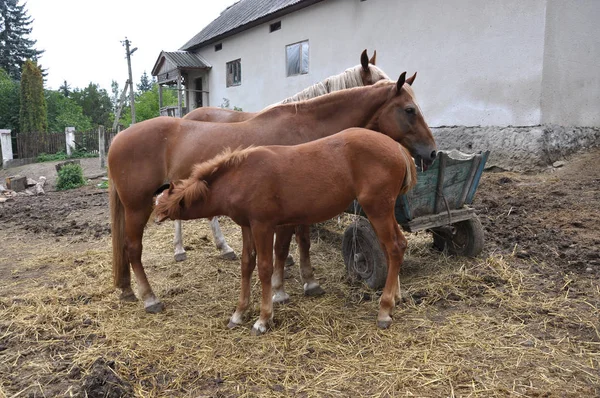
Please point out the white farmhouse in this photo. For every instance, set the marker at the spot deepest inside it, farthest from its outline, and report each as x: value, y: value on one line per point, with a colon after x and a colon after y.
x: 479, y: 63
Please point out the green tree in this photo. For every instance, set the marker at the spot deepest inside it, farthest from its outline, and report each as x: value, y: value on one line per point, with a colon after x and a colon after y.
x: 33, y: 113
x: 146, y: 105
x: 144, y: 85
x: 115, y: 94
x: 9, y: 102
x: 15, y: 47
x: 96, y: 104
x: 64, y: 112
x: 65, y: 89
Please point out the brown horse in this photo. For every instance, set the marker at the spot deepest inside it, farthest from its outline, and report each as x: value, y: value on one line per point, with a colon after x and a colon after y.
x: 263, y: 187
x: 364, y: 74
x: 144, y: 156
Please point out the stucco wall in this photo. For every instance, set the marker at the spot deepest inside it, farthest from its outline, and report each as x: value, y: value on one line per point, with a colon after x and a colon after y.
x: 479, y: 63
x: 571, y: 78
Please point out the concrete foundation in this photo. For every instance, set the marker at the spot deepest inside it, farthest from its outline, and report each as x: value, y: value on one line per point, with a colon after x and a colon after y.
x: 518, y: 148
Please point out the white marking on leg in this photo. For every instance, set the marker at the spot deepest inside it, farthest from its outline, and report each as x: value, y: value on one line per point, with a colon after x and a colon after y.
x: 218, y: 237
x: 237, y: 318
x: 151, y: 300
x: 281, y: 296
x: 178, y: 241
x: 311, y: 285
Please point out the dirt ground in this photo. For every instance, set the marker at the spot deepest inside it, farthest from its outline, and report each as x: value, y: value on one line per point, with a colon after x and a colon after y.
x: 520, y: 320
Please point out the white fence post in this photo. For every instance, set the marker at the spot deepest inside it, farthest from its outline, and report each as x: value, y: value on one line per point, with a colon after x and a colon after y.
x: 70, y: 139
x: 101, y: 147
x: 6, y: 143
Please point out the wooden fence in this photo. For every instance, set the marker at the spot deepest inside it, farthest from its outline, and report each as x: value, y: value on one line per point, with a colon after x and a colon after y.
x: 31, y: 145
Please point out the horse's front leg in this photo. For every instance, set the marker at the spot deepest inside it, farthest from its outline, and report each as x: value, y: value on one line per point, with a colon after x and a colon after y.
x: 135, y: 221
x: 227, y: 252
x: 180, y: 254
x: 248, y: 264
x: 263, y: 239
x: 311, y: 286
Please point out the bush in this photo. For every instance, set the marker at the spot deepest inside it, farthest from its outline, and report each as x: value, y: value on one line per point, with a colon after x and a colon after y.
x: 69, y: 177
x: 61, y: 155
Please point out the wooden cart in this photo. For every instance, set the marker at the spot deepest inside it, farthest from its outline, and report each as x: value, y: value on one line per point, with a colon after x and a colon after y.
x: 438, y: 203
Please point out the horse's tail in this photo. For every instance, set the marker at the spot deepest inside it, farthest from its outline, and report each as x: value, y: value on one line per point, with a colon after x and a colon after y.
x: 120, y: 263
x: 410, y: 178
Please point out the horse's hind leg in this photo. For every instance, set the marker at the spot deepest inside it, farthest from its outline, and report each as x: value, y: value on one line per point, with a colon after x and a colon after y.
x: 180, y: 254
x: 135, y: 221
x: 227, y: 252
x: 248, y: 264
x: 311, y: 286
x: 283, y: 238
x: 394, y: 243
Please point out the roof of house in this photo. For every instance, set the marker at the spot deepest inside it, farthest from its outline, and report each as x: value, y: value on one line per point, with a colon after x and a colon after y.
x: 243, y: 15
x: 180, y: 59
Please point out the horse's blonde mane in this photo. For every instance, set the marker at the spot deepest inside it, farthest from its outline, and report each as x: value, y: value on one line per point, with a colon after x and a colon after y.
x: 186, y: 192
x: 349, y: 78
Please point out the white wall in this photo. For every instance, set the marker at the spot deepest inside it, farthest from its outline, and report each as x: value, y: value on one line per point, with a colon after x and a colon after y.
x: 478, y: 62
x: 571, y: 79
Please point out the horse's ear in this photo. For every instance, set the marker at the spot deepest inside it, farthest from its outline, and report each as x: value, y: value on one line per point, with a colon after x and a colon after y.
x: 364, y: 60
x: 171, y: 187
x: 411, y: 79
x: 373, y: 58
x: 401, y: 81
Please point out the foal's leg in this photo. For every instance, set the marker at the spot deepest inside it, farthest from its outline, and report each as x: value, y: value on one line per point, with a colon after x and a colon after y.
x: 311, y: 286
x: 180, y: 253
x: 135, y: 221
x: 283, y: 238
x: 394, y: 243
x: 227, y: 252
x: 263, y: 239
x: 248, y: 264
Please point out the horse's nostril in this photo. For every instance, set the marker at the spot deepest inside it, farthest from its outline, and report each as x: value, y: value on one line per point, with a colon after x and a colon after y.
x: 433, y: 154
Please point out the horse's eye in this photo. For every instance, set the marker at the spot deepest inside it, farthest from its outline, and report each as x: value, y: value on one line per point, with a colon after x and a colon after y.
x: 410, y: 111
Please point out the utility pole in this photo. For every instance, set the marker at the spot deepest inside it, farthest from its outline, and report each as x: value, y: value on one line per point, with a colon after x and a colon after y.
x: 126, y: 43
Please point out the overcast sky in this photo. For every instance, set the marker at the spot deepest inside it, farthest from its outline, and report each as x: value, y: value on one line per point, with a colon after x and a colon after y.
x: 82, y: 39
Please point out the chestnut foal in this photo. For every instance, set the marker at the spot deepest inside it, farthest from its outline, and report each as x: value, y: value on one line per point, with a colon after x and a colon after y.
x: 262, y: 187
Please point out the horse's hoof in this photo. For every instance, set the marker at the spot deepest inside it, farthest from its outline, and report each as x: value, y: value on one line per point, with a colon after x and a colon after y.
x: 257, y: 331
x: 384, y: 324
x: 314, y: 291
x: 181, y: 256
x: 155, y: 308
x: 289, y: 260
x: 281, y: 298
x: 129, y: 297
x: 232, y: 324
x: 229, y: 256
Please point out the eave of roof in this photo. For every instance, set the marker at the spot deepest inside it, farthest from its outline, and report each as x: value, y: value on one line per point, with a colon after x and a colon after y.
x: 231, y: 22
x: 181, y: 59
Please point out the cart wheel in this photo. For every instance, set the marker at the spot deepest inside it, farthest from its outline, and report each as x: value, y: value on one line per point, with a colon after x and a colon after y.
x: 364, y: 258
x: 464, y: 238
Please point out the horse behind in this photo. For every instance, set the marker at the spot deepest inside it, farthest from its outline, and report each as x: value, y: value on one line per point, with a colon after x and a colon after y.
x: 301, y: 184
x: 144, y: 156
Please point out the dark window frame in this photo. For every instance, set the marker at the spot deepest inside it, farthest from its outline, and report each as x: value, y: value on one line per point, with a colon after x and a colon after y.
x: 233, y: 72
x: 275, y: 26
x: 300, y: 69
x: 218, y: 46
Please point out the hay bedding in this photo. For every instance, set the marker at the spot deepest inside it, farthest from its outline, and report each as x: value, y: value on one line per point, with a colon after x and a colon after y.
x: 505, y: 324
